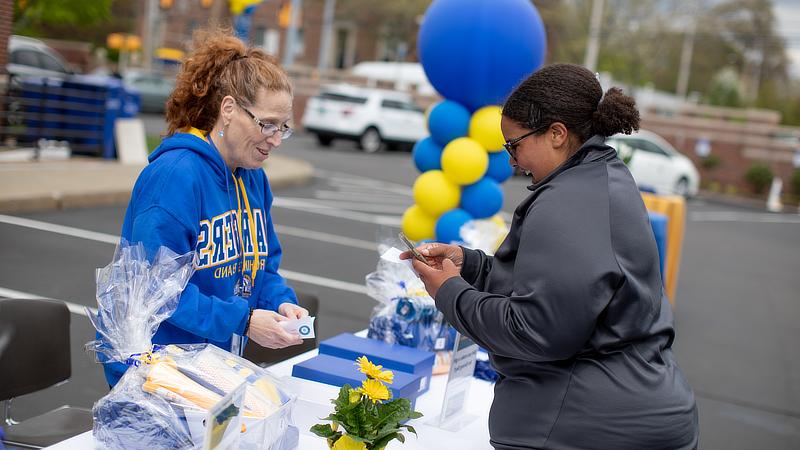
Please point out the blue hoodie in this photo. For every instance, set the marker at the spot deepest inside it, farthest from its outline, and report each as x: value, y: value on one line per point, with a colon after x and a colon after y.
x: 186, y: 199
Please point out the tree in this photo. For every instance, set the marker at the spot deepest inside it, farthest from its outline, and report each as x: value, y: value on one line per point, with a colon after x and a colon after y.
x: 37, y: 13
x: 80, y: 20
x: 748, y: 26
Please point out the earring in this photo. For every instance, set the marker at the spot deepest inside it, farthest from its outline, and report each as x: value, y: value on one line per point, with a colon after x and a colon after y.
x: 221, y: 133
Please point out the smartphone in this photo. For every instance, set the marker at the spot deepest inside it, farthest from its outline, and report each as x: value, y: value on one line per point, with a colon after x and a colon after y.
x: 411, y: 248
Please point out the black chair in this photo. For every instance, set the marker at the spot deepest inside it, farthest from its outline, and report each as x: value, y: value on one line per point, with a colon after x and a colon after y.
x: 267, y: 356
x: 34, y: 355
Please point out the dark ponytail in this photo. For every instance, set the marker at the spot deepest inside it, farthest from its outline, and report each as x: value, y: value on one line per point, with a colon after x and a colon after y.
x: 571, y: 94
x: 616, y: 113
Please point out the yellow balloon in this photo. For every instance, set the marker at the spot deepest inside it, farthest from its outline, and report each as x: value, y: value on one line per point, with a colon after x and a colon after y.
x: 498, y: 219
x: 417, y: 224
x: 484, y: 127
x: 435, y: 194
x: 464, y: 161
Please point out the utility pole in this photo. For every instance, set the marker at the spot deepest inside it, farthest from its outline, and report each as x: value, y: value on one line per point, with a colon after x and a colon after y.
x: 686, y: 60
x: 593, y: 46
x: 149, y: 32
x: 327, y: 32
x: 291, y: 34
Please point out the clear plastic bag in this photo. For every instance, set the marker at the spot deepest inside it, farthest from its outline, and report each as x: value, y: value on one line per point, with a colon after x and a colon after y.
x: 484, y: 234
x: 405, y: 313
x: 164, y: 398
x: 134, y: 295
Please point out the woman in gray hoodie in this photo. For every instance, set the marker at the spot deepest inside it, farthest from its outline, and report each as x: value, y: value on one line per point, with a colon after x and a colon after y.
x: 571, y: 307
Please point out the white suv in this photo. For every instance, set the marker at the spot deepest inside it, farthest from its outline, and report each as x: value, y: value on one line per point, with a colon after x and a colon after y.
x: 371, y: 117
x: 655, y: 164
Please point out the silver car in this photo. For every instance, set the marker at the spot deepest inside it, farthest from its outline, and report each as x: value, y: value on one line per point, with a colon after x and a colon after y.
x: 32, y: 57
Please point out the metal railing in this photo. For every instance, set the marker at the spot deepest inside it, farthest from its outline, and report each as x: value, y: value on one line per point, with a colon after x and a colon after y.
x: 76, y: 111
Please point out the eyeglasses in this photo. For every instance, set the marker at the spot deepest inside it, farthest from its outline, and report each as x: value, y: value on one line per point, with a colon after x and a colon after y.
x: 511, y: 146
x: 268, y: 129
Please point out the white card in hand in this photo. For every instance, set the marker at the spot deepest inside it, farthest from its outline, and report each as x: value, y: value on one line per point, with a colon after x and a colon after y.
x: 304, y: 327
x: 393, y: 255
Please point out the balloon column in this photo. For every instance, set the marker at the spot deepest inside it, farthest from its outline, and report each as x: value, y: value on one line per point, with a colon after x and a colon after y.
x: 474, y: 53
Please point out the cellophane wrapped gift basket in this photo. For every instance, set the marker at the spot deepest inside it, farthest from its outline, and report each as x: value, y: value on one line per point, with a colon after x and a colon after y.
x: 164, y: 398
x: 406, y: 314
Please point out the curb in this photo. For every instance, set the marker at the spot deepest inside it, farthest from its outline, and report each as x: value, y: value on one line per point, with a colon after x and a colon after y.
x: 282, y: 172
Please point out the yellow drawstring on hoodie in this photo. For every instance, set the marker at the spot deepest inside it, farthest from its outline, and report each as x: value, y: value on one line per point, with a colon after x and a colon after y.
x: 252, y: 225
x: 237, y: 183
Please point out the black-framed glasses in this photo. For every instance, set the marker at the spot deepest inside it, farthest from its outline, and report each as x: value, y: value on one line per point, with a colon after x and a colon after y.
x: 511, y: 146
x: 268, y: 129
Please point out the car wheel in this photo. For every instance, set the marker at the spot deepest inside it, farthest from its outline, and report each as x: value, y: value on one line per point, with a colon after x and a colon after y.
x: 682, y: 187
x: 324, y: 140
x: 370, y: 141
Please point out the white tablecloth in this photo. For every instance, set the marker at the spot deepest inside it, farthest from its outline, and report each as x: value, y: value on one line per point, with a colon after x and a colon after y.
x: 314, y: 402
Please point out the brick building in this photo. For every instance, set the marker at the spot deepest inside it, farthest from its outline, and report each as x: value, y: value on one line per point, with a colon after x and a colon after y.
x: 351, y: 41
x: 6, y: 17
x: 739, y: 137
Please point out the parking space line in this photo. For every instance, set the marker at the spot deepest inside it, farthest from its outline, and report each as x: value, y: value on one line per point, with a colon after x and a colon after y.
x: 59, y: 229
x: 325, y: 237
x: 111, y: 239
x: 301, y: 204
x: 375, y: 207
x: 732, y: 216
x: 322, y: 281
x: 74, y: 308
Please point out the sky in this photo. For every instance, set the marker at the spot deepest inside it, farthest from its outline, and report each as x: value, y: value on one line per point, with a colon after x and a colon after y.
x: 787, y: 13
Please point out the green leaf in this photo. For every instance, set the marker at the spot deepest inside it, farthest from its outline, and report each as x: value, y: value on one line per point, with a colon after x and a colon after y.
x: 343, y: 400
x: 324, y: 430
x: 394, y: 412
x: 381, y: 442
x: 410, y: 428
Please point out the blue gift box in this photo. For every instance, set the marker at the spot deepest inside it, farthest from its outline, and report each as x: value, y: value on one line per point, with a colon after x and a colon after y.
x: 397, y: 358
x: 338, y: 372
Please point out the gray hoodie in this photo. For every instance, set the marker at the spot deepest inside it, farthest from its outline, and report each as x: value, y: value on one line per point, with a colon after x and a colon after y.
x: 572, y: 311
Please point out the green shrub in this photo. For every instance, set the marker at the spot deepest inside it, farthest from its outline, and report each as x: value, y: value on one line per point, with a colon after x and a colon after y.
x: 759, y: 176
x: 711, y: 162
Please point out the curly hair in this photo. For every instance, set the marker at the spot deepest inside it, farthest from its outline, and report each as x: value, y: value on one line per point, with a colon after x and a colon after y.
x: 220, y: 64
x: 571, y: 94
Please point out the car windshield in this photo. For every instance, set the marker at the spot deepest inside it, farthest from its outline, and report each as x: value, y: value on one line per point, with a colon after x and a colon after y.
x: 342, y: 98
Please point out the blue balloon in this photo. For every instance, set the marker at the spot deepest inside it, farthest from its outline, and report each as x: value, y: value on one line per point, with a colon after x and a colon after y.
x: 448, y: 120
x: 476, y: 51
x: 482, y: 199
x: 499, y: 167
x: 449, y: 225
x: 427, y: 155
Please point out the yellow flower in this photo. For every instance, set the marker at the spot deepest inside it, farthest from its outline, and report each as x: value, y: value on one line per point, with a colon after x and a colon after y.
x: 374, y: 371
x: 355, y: 396
x: 375, y: 390
x: 386, y: 376
x: 347, y: 443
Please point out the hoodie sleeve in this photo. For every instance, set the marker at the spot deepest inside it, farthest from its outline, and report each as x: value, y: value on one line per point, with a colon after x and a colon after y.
x: 207, y: 316
x: 563, y: 277
x: 274, y: 289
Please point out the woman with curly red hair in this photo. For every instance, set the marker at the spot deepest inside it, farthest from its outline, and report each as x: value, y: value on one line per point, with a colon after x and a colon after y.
x: 205, y: 191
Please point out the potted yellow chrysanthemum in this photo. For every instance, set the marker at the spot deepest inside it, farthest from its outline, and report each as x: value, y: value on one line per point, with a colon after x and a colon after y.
x: 364, y: 418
